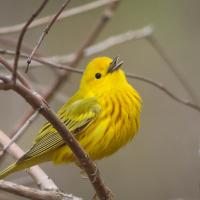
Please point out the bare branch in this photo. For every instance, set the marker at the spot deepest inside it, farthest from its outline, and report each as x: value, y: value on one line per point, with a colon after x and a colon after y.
x: 36, y: 172
x: 65, y: 14
x: 157, y: 46
x: 45, y: 32
x: 165, y: 90
x: 21, y: 36
x: 11, y: 42
x: 33, y: 193
x: 21, y: 122
x: 20, y: 131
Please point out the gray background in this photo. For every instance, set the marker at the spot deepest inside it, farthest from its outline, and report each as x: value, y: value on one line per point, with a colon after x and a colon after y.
x: 162, y: 162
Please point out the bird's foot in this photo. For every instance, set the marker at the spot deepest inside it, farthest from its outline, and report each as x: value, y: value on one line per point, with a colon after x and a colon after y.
x: 93, y: 175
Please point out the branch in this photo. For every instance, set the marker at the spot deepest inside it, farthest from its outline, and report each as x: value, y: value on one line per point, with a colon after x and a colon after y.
x: 157, y: 46
x: 45, y: 32
x: 21, y: 36
x: 165, y: 90
x: 65, y: 14
x: 33, y: 193
x: 20, y: 131
x: 36, y: 172
x: 11, y: 42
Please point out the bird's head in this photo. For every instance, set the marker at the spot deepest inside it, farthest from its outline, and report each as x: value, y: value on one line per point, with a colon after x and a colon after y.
x: 103, y: 73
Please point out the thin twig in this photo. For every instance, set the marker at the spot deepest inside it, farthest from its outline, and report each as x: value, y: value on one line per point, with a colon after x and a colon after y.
x: 157, y: 46
x: 44, y: 61
x: 45, y: 32
x: 165, y: 90
x: 38, y: 175
x: 65, y: 14
x: 21, y: 36
x: 33, y: 193
x: 11, y: 42
x: 21, y: 130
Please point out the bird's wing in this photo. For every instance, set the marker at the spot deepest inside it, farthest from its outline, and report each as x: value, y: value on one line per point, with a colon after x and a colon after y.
x: 76, y: 116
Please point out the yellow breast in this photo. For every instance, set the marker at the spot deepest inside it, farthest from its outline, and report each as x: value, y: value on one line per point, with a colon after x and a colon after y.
x: 113, y: 128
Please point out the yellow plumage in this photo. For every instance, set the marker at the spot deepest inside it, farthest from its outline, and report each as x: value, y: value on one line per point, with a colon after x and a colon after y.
x: 104, y: 114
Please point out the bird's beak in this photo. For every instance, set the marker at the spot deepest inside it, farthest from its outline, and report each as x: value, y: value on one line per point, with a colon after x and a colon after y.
x: 115, y: 65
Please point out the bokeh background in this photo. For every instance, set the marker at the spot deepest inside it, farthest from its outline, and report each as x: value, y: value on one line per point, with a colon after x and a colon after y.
x: 162, y: 162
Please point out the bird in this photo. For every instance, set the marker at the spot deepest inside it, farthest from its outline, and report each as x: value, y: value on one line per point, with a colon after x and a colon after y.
x: 103, y: 115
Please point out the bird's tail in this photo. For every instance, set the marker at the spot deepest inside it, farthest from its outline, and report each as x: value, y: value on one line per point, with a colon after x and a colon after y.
x: 9, y: 170
x: 19, y: 165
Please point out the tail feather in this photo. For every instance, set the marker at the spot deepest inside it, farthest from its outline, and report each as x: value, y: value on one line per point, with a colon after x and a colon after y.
x: 17, y: 166
x: 9, y: 170
x: 23, y: 164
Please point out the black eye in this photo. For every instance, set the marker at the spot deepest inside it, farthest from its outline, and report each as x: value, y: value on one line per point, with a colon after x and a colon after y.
x: 98, y: 75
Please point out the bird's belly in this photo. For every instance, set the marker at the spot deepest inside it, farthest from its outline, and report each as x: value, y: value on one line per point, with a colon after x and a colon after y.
x: 109, y: 132
x: 107, y: 138
x: 99, y: 140
x: 113, y: 132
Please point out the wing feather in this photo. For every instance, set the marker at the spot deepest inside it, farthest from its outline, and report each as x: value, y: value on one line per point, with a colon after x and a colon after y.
x: 76, y: 116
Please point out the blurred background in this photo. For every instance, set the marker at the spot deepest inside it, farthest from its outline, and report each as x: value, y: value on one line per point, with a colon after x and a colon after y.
x: 162, y: 162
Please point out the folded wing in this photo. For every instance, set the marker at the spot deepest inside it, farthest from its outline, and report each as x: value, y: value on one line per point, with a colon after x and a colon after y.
x: 76, y: 116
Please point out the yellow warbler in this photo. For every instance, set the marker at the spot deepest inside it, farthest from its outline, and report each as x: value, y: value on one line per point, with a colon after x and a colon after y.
x: 104, y: 114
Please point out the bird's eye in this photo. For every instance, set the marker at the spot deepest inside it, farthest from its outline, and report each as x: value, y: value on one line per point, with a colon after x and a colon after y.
x: 97, y: 75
